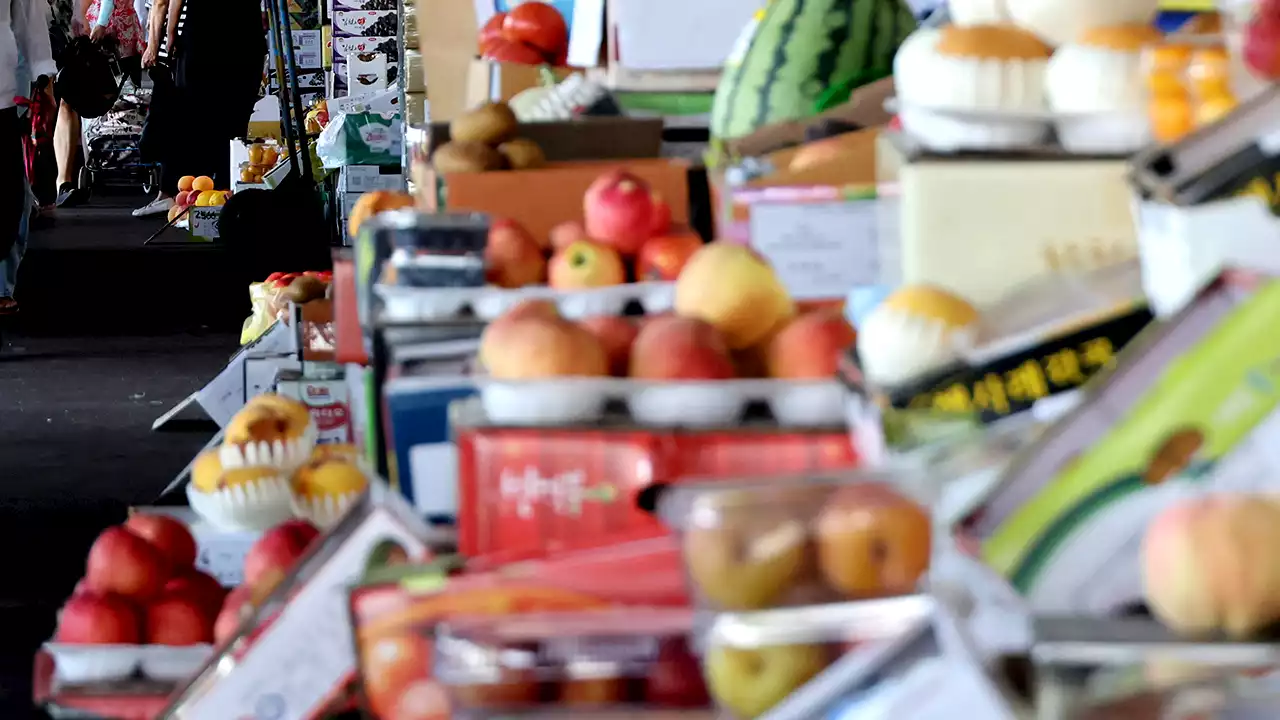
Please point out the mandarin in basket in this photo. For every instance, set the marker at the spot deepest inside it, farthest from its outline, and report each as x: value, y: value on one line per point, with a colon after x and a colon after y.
x: 1211, y: 109
x: 1167, y: 69
x: 872, y: 541
x: 1171, y: 117
x: 1210, y: 72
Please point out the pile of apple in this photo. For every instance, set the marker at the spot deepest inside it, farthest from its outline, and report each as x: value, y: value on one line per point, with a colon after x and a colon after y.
x: 266, y: 565
x: 626, y: 234
x: 141, y: 587
x: 196, y: 192
x: 732, y: 319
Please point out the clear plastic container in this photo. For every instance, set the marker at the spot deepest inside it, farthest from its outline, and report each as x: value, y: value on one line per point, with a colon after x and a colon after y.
x: 797, y: 662
x: 801, y: 541
x: 595, y: 661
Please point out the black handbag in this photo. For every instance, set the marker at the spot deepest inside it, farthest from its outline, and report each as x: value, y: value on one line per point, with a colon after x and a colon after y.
x: 90, y: 79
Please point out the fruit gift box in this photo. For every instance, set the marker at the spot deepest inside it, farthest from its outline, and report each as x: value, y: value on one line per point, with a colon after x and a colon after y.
x: 771, y: 543
x: 591, y: 662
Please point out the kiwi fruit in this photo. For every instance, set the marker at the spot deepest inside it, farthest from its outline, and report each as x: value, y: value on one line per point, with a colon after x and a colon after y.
x: 457, y: 156
x: 490, y: 124
x: 522, y: 154
x: 304, y: 289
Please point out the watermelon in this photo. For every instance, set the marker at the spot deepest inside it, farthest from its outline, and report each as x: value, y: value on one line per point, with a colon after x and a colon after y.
x: 797, y: 50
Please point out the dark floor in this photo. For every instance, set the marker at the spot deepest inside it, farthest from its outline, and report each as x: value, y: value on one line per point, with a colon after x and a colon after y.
x: 111, y: 335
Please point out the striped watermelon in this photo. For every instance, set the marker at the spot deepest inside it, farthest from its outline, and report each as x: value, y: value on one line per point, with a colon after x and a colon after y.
x: 800, y: 48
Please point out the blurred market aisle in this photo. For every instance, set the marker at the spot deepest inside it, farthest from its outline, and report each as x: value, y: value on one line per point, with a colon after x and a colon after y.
x: 110, y: 336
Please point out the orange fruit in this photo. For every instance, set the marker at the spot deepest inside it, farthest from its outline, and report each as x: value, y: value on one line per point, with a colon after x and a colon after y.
x: 1171, y: 117
x: 1166, y: 68
x: 1209, y: 110
x: 185, y: 182
x: 255, y: 154
x: 1210, y: 72
x: 269, y: 157
x: 246, y: 175
x: 202, y: 183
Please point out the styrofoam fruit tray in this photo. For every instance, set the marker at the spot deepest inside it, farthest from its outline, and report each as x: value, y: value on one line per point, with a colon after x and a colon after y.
x: 81, y: 664
x: 1096, y: 133
x: 694, y: 403
x: 413, y: 304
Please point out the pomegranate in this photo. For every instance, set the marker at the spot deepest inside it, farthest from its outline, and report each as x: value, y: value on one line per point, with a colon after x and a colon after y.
x: 618, y: 211
x: 1202, y: 569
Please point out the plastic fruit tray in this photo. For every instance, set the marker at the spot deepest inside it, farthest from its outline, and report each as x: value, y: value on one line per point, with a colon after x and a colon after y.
x: 592, y: 661
x: 693, y: 403
x: 80, y: 664
x: 755, y: 663
x: 781, y: 542
x: 414, y: 304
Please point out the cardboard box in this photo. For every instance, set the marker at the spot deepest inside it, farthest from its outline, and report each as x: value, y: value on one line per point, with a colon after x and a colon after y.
x: 541, y: 199
x: 540, y: 491
x: 425, y: 470
x: 328, y: 401
x: 496, y: 81
x: 367, y: 178
x: 448, y: 37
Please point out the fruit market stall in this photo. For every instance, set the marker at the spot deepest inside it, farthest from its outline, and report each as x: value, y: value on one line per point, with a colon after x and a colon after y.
x: 940, y: 417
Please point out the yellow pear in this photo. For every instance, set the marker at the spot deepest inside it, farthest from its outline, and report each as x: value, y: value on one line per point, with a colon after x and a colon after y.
x: 734, y: 289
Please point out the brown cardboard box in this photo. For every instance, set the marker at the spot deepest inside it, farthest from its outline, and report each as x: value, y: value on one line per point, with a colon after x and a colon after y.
x: 865, y: 107
x: 448, y: 40
x: 587, y: 138
x: 488, y: 80
x: 541, y: 199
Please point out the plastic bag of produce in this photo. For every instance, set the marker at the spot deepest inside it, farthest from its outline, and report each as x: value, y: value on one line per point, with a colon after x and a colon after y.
x: 361, y: 138
x: 261, y: 316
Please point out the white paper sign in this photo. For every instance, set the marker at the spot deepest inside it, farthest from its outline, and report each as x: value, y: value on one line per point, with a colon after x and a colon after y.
x: 820, y: 251
x: 294, y: 666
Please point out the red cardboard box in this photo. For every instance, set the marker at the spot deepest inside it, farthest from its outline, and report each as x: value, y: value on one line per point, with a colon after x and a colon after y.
x: 531, y: 492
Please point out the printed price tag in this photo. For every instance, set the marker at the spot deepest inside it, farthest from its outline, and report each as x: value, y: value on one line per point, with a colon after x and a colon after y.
x: 820, y: 251
x: 222, y: 556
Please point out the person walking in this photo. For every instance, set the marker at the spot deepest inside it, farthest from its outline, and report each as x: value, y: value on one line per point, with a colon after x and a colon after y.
x: 163, y: 121
x: 24, y: 34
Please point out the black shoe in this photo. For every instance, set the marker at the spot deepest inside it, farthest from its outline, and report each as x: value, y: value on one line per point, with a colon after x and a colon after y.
x: 70, y: 196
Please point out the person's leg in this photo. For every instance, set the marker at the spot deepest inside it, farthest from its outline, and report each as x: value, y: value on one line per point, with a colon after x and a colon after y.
x: 9, y: 266
x: 159, y: 145
x: 14, y: 196
x: 66, y: 146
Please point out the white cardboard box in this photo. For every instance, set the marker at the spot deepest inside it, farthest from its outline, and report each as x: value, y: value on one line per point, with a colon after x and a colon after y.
x: 367, y: 178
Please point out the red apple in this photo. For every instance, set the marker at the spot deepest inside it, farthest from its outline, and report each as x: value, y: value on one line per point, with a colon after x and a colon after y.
x: 169, y: 535
x: 1262, y: 45
x: 663, y: 257
x: 675, y: 678
x: 178, y: 619
x: 618, y: 211
x: 98, y: 619
x: 202, y: 587
x: 121, y: 562
x: 233, y: 610
x: 616, y: 334
x: 277, y: 550
x: 661, y: 216
x: 274, y: 276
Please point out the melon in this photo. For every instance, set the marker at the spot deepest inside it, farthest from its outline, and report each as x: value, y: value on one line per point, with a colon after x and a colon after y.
x: 797, y: 50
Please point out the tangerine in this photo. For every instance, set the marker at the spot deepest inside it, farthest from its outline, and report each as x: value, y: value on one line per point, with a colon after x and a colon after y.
x: 1171, y: 117
x: 202, y: 183
x: 185, y: 183
x: 256, y: 153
